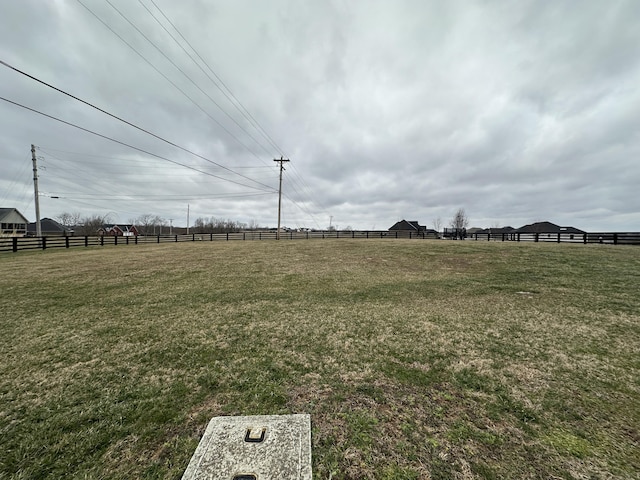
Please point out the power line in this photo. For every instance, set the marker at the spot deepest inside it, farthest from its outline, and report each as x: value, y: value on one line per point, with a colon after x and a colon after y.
x: 127, y: 145
x: 170, y: 81
x: 183, y: 72
x: 130, y: 124
x: 238, y: 104
x: 297, y: 178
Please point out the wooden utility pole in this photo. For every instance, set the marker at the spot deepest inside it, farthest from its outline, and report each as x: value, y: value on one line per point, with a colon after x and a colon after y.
x: 281, y: 160
x: 35, y: 190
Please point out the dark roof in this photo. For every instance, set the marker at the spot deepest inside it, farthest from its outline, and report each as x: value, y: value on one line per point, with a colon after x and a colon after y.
x: 48, y: 225
x: 547, y: 227
x: 411, y: 225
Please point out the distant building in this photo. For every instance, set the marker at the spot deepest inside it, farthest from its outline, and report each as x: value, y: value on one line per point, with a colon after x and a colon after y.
x: 408, y: 226
x: 547, y: 227
x: 118, y: 230
x: 12, y: 223
x: 49, y: 228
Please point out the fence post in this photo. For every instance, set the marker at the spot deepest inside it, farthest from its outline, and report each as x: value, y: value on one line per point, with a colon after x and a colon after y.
x: 86, y: 240
x: 211, y: 237
x: 244, y: 235
x: 518, y: 237
x: 15, y: 244
x: 559, y: 237
x: 44, y: 243
x: 193, y: 237
x: 536, y: 237
x: 227, y: 236
x: 158, y: 239
x: 66, y: 242
x: 115, y: 239
x: 102, y: 240
x: 135, y: 239
x: 584, y: 238
x: 615, y: 238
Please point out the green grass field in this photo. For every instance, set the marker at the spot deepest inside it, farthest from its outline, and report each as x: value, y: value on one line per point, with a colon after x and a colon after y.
x: 415, y: 359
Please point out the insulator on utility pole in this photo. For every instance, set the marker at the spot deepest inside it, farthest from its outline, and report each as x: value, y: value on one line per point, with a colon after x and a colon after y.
x: 35, y: 190
x: 281, y: 160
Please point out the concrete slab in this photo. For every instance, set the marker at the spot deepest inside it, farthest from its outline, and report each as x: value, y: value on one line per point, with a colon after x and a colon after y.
x: 260, y: 447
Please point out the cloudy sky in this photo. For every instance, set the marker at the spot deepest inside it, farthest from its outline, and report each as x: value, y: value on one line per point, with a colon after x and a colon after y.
x: 515, y: 111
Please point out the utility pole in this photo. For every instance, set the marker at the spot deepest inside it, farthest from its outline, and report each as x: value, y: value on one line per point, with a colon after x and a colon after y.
x: 281, y: 160
x: 187, y: 219
x: 171, y: 226
x: 35, y: 190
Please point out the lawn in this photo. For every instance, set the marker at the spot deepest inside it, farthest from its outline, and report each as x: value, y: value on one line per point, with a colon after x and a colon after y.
x: 416, y: 359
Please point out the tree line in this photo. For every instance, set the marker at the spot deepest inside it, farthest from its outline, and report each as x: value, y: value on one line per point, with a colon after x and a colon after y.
x: 149, y: 224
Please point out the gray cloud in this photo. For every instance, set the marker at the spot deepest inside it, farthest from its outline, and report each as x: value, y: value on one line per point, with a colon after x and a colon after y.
x: 516, y: 112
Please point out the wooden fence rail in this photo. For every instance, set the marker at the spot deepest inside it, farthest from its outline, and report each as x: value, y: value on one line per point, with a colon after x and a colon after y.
x: 15, y: 244
x: 613, y: 238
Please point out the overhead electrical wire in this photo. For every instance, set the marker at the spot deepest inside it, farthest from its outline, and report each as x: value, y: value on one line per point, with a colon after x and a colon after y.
x: 296, y: 179
x: 128, y: 145
x: 239, y: 106
x: 184, y: 74
x: 134, y: 197
x: 22, y: 172
x: 130, y: 124
x: 170, y: 81
x: 230, y: 96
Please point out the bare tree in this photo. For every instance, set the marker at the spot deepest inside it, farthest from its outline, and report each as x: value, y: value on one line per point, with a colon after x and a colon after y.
x: 148, y: 223
x: 91, y: 224
x: 253, y: 225
x: 218, y: 225
x: 437, y: 224
x: 459, y: 223
x: 68, y: 219
x: 460, y: 219
x: 158, y: 222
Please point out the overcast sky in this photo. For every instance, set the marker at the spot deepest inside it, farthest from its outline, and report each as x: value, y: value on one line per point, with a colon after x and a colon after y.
x: 516, y: 111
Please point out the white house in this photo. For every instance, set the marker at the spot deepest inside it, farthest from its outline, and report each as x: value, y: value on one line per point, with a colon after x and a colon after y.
x: 12, y: 223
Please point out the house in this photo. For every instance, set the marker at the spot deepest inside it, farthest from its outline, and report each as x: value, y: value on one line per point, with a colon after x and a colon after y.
x: 49, y: 228
x: 408, y: 226
x: 547, y: 227
x: 118, y: 230
x: 411, y: 227
x: 12, y: 223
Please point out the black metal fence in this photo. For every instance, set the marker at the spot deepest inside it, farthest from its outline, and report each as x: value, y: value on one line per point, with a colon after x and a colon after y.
x: 15, y: 244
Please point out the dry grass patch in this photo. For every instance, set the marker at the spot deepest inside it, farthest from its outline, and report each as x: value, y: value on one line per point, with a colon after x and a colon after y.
x: 416, y: 359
